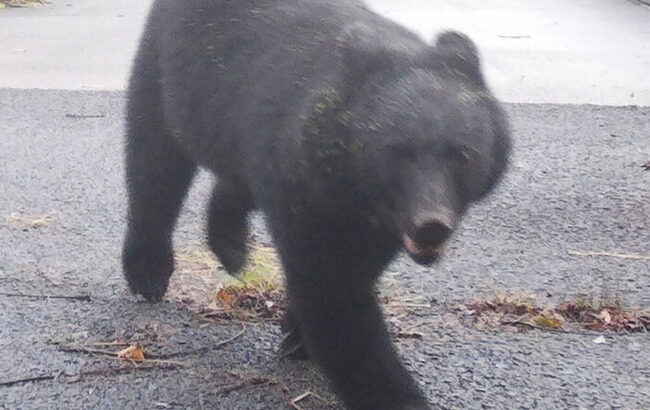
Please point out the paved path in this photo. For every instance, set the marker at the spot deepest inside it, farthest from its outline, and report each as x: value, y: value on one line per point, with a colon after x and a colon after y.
x: 576, y: 183
x: 552, y: 51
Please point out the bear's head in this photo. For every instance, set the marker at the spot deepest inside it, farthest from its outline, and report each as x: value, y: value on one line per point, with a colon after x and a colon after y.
x: 431, y: 138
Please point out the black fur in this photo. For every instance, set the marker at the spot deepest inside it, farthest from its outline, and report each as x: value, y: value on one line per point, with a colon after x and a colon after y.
x: 344, y: 128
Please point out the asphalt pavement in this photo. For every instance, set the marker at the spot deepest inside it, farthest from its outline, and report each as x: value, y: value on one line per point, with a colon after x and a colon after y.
x: 550, y: 51
x: 576, y: 185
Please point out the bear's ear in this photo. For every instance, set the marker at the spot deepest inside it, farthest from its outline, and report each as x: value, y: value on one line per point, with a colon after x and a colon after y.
x: 457, y: 52
x: 363, y: 54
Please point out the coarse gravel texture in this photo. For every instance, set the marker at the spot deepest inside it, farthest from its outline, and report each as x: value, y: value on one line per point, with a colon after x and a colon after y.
x: 576, y: 184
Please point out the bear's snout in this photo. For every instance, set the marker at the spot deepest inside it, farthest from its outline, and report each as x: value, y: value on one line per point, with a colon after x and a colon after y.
x: 424, y: 243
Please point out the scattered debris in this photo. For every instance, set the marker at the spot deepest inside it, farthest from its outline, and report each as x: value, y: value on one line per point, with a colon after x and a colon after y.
x: 524, y: 312
x: 605, y: 317
x: 136, y: 354
x: 247, y: 304
x: 505, y: 303
x: 256, y: 293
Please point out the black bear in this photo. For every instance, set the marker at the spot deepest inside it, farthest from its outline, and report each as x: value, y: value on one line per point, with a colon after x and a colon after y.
x: 353, y: 136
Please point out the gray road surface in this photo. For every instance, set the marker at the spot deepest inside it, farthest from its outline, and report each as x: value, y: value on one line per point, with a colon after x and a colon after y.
x: 576, y: 183
x: 551, y: 51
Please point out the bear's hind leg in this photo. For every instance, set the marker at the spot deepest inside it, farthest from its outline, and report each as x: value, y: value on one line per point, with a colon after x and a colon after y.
x: 158, y: 179
x: 228, y: 224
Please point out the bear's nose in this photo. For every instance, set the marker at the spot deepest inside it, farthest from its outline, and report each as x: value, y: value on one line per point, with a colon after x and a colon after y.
x: 425, y: 244
x: 432, y: 233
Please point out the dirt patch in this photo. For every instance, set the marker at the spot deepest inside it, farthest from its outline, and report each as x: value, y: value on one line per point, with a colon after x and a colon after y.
x: 196, y: 278
x: 256, y: 294
x: 202, y: 284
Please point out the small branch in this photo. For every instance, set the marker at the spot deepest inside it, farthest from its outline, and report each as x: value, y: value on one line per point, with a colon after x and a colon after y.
x: 251, y: 381
x: 115, y: 355
x: 109, y: 344
x: 28, y: 380
x: 611, y: 254
x: 198, y: 350
x: 547, y: 329
x: 81, y: 349
x: 295, y: 400
x: 409, y: 304
x: 77, y: 376
x: 83, y: 298
x: 149, y: 357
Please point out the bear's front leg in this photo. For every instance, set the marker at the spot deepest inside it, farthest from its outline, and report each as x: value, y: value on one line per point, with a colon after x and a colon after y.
x: 158, y: 176
x: 332, y: 299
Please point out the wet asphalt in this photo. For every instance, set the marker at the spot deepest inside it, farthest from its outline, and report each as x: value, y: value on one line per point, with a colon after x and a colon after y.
x: 576, y: 183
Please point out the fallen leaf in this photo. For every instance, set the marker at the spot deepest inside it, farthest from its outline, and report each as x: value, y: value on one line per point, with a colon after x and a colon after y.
x: 133, y: 353
x: 596, y: 325
x: 547, y: 321
x: 226, y: 297
x: 604, y: 317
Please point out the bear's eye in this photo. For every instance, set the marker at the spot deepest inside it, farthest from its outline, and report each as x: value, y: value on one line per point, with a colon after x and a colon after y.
x: 460, y: 153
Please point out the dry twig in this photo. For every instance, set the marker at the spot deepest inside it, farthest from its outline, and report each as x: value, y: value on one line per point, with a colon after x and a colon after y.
x: 200, y: 349
x: 77, y: 376
x: 297, y: 399
x: 83, y: 298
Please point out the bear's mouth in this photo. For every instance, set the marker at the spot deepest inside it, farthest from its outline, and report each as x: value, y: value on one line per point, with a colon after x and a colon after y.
x: 422, y: 254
